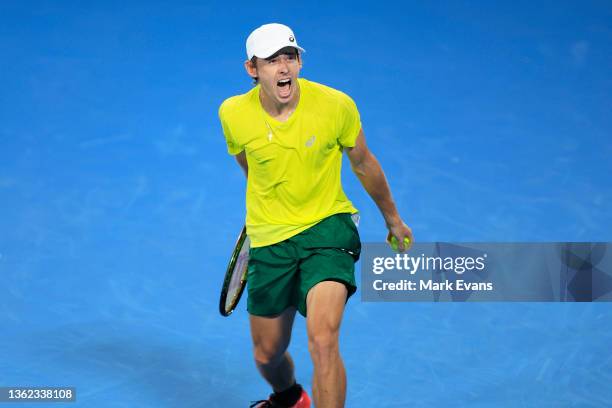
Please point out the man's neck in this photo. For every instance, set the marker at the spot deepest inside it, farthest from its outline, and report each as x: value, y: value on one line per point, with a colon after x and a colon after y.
x: 280, y: 111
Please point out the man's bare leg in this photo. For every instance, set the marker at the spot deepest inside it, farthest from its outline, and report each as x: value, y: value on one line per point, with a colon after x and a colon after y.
x: 271, y: 336
x: 325, y: 303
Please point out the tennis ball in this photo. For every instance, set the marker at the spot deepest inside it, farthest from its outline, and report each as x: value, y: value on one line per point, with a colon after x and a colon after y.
x: 395, y: 243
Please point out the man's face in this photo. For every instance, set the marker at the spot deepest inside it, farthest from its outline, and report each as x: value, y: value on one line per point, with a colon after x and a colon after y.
x: 278, y: 75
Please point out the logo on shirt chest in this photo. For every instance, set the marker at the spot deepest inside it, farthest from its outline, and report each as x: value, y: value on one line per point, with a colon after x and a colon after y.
x: 310, y: 141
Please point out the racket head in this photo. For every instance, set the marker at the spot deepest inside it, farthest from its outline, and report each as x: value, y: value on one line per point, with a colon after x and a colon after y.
x: 235, y: 278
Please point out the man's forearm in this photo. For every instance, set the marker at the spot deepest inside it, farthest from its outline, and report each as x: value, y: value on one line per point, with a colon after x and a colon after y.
x: 373, y: 179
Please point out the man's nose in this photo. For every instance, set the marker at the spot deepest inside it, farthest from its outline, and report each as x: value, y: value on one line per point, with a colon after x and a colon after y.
x: 284, y: 65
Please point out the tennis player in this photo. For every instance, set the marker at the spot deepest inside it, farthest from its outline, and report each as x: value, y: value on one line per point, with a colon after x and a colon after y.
x: 288, y: 135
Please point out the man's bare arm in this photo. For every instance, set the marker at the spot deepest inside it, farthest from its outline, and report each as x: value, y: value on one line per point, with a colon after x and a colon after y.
x: 242, y: 161
x: 370, y: 173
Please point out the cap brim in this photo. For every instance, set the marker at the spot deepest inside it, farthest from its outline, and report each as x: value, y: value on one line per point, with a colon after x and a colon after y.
x: 269, y: 53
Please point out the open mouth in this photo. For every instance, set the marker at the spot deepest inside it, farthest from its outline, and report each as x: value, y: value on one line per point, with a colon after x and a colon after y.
x: 284, y: 87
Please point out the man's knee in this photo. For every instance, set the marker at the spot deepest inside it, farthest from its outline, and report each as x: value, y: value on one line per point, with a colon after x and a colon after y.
x: 269, y: 354
x: 323, y: 346
x: 271, y: 337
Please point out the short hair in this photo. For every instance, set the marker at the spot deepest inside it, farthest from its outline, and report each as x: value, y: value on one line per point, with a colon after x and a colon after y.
x: 254, y: 62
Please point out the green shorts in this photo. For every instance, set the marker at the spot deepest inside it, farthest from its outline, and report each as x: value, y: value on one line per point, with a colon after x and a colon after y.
x: 280, y: 275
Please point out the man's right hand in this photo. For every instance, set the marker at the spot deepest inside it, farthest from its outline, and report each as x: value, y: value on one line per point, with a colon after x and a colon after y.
x: 400, y: 231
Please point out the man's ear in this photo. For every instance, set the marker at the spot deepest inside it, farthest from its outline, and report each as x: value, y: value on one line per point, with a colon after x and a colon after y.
x: 250, y: 68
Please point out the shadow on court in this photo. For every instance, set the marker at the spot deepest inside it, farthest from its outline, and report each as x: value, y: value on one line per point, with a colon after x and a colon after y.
x: 116, y: 365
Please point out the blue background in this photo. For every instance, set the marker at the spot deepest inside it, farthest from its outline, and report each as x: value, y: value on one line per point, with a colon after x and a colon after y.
x: 119, y: 204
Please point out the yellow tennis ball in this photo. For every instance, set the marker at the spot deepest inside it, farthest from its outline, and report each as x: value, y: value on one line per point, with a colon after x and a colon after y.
x: 395, y: 243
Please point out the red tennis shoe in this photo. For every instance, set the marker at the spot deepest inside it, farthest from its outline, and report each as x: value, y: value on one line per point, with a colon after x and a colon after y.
x: 303, y: 402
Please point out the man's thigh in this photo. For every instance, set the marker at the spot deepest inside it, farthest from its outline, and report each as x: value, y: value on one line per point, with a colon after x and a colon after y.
x: 325, y: 265
x: 328, y: 252
x: 325, y: 303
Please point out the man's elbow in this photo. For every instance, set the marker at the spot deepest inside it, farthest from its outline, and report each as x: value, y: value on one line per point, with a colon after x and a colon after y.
x: 360, y: 164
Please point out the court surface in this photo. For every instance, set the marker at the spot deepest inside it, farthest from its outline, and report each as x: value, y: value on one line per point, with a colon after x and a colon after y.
x: 119, y: 205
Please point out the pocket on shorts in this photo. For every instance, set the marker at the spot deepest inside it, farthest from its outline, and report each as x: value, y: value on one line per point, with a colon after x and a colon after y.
x: 353, y: 240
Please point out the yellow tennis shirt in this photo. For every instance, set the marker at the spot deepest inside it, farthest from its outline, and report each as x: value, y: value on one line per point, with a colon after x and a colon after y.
x: 294, y: 166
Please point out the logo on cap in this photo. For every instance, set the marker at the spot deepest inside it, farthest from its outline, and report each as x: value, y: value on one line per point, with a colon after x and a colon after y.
x: 291, y: 39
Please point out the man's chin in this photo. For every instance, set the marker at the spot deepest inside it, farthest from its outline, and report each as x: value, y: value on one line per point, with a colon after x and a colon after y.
x: 284, y: 99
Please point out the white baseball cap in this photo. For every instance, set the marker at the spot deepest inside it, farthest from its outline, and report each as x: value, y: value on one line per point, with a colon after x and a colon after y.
x: 268, y: 39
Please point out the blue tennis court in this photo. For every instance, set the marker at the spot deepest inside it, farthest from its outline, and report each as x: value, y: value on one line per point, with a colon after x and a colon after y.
x: 119, y: 205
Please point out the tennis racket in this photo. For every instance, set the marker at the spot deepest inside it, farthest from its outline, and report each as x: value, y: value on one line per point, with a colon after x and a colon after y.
x: 235, y: 275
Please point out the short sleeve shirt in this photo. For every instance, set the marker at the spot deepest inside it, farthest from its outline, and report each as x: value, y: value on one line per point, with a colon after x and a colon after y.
x: 294, y: 166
